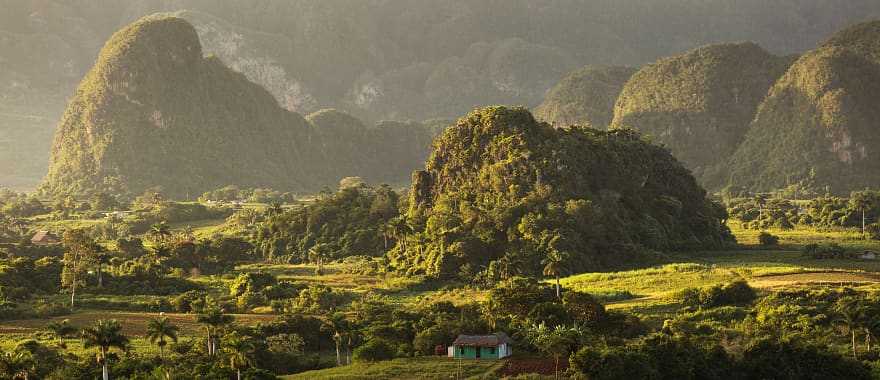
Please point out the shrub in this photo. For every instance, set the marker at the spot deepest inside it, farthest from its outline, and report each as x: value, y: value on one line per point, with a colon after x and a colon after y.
x: 251, y: 283
x: 550, y: 313
x: 612, y: 363
x: 767, y: 239
x: 191, y: 301
x: 771, y: 359
x: 825, y: 251
x: 583, y: 307
x: 873, y: 230
x: 734, y: 293
x: 373, y: 351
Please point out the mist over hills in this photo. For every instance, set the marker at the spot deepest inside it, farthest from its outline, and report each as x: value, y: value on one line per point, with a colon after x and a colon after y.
x: 378, y: 59
x: 154, y: 111
x: 745, y: 120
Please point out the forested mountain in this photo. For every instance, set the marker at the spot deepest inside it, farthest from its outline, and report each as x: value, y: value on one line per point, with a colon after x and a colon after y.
x: 381, y: 59
x: 818, y: 128
x: 700, y: 104
x: 585, y: 97
x: 154, y: 111
x: 501, y: 192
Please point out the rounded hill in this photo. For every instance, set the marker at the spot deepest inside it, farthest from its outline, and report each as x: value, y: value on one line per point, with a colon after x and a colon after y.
x: 818, y: 128
x: 584, y: 97
x: 700, y: 104
x: 154, y: 112
x: 501, y: 189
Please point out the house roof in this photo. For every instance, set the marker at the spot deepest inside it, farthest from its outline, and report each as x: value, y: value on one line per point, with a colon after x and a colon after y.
x: 491, y: 340
x: 44, y: 236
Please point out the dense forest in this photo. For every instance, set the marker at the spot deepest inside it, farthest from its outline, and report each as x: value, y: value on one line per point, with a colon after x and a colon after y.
x: 500, y: 190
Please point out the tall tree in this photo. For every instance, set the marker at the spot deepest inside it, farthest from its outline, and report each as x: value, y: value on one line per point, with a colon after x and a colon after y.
x: 105, y: 334
x: 556, y: 342
x: 339, y: 326
x: 850, y: 313
x: 239, y: 351
x: 61, y: 330
x: 18, y: 365
x: 159, y: 331
x: 79, y: 249
x: 554, y: 265
x: 214, y: 320
x: 160, y: 231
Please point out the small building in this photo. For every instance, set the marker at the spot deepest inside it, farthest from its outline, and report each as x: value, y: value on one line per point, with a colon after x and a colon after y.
x: 868, y: 255
x: 493, y: 346
x: 44, y: 237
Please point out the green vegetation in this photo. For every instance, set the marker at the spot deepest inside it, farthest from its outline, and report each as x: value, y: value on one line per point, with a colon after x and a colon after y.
x: 815, y: 130
x: 354, y: 221
x: 188, y: 124
x: 700, y: 104
x: 584, y: 97
x: 501, y: 191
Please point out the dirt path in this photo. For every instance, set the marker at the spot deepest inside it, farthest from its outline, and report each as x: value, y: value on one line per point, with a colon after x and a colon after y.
x: 814, y: 278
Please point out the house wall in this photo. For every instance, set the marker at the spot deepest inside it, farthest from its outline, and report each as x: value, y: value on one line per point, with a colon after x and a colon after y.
x: 470, y: 352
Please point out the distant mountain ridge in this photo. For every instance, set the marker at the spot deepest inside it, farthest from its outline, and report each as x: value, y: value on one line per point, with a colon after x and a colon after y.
x: 381, y: 59
x: 744, y: 120
x: 155, y: 112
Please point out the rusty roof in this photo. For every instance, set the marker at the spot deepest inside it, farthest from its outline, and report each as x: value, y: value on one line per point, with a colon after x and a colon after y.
x: 42, y: 236
x: 491, y: 340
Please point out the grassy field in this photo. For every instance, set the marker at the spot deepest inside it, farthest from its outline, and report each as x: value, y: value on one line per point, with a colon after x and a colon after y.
x: 405, y: 369
x: 645, y: 292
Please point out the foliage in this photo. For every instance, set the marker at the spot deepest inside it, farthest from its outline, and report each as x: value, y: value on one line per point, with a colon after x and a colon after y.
x: 374, y: 350
x: 579, y: 191
x: 734, y: 293
x: 162, y: 110
x: 353, y: 221
x: 585, y: 96
x: 815, y: 129
x: 767, y: 239
x: 703, y: 114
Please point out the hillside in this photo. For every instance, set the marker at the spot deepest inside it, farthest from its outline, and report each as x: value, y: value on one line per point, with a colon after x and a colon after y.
x: 584, y: 97
x: 154, y: 111
x: 700, y: 104
x: 500, y: 190
x: 818, y: 129
x: 378, y: 59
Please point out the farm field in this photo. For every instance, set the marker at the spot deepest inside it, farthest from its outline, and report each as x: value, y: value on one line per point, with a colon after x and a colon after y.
x: 648, y: 293
x: 406, y: 369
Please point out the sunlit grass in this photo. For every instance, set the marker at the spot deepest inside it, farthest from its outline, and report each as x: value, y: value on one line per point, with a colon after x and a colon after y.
x: 429, y: 367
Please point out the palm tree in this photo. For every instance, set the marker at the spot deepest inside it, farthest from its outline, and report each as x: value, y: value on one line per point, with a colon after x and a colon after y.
x: 214, y: 321
x: 20, y: 224
x: 338, y: 325
x: 556, y: 342
x: 553, y: 266
x: 101, y: 259
x: 274, y: 208
x: 850, y: 316
x: 61, y: 330
x: 401, y: 228
x: 160, y: 231
x: 318, y: 253
x: 860, y: 201
x: 105, y: 334
x: 158, y: 330
x: 239, y: 351
x: 18, y: 364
